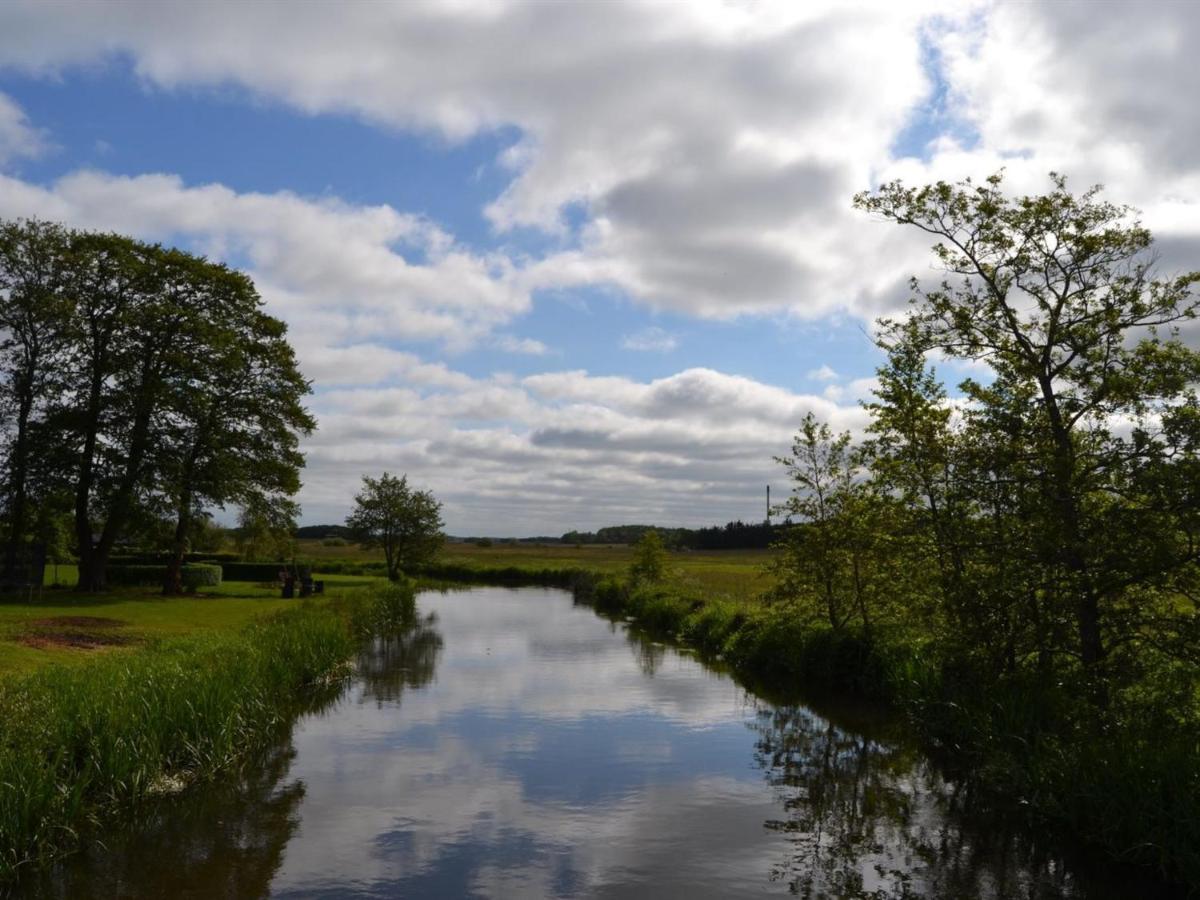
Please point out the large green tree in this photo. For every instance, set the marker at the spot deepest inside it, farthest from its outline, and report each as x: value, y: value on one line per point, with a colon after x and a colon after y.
x: 1087, y: 415
x: 234, y: 413
x: 33, y: 259
x: 143, y: 382
x: 405, y: 523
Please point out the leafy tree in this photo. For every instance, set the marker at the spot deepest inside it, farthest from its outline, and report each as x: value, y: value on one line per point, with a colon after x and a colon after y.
x: 32, y: 349
x: 406, y: 523
x: 826, y: 568
x: 1088, y: 407
x: 649, y: 558
x: 265, y: 527
x: 235, y: 414
x: 128, y: 320
x: 144, y: 381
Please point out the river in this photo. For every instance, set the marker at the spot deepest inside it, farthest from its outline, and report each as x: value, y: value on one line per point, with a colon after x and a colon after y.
x: 514, y: 744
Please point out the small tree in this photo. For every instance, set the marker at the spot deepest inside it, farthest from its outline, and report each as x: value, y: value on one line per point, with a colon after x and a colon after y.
x: 649, y: 558
x: 407, y: 524
x: 265, y: 527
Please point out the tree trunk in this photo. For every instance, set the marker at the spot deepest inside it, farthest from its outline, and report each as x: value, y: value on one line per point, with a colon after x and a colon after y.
x: 173, y: 580
x: 91, y: 578
x: 1087, y: 606
x: 19, y: 471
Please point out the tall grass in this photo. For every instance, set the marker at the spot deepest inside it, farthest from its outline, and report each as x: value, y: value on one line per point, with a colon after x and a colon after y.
x: 78, y: 743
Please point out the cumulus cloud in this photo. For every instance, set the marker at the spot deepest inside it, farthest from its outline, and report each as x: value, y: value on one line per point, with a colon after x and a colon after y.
x: 709, y: 151
x: 652, y: 339
x: 18, y: 137
x: 335, y: 270
x: 713, y: 147
x: 512, y: 344
x: 562, y: 450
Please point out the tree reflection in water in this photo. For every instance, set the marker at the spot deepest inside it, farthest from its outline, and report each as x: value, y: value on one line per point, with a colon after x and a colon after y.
x: 871, y: 819
x: 404, y: 658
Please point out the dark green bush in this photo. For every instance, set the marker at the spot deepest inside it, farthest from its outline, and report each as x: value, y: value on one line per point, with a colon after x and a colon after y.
x: 198, y: 575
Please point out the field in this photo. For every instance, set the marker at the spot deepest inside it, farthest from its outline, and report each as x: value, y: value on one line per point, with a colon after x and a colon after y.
x: 737, y: 575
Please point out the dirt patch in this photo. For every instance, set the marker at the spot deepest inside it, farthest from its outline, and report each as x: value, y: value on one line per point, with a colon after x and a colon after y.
x: 74, y: 632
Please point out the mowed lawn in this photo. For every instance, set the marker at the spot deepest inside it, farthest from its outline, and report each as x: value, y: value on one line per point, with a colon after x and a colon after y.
x: 66, y: 627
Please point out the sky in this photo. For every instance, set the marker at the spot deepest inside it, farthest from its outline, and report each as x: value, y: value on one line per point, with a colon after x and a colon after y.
x: 577, y: 264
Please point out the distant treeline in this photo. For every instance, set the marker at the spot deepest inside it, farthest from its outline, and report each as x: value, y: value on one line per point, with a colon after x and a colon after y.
x: 730, y: 536
x: 319, y: 532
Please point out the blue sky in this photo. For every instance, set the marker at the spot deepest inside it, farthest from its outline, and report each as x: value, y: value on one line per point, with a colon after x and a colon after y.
x: 105, y: 118
x: 576, y: 264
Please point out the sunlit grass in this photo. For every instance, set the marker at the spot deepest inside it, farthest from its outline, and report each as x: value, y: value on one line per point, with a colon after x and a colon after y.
x: 144, y: 613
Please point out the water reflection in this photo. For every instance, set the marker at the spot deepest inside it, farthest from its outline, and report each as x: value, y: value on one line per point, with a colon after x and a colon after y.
x: 404, y: 658
x: 518, y: 746
x: 226, y: 840
x: 866, y: 816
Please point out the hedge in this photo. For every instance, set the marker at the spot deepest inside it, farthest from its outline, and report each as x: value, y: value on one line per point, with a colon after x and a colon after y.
x: 260, y: 572
x: 194, y: 575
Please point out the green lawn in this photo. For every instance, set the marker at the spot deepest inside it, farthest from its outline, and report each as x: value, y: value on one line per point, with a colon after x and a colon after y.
x: 62, y: 626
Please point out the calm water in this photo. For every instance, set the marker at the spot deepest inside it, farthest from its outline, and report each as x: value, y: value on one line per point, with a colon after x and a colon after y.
x: 515, y: 745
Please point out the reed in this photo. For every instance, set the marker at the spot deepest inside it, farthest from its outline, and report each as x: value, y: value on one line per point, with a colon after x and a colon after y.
x: 80, y: 743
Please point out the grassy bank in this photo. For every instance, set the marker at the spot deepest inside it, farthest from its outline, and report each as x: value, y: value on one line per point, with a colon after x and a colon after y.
x: 82, y: 742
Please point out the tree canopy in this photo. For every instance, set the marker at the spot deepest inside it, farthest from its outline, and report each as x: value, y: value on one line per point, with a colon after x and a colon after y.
x: 405, y: 523
x: 142, y: 380
x: 1048, y: 516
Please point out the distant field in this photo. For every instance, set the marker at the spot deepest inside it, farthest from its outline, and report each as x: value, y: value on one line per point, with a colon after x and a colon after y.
x: 733, y: 574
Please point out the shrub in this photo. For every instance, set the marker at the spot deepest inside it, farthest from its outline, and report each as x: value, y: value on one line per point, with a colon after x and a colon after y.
x: 198, y: 575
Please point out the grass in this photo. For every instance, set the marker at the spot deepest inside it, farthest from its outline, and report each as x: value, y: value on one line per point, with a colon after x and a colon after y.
x: 735, y: 575
x: 85, y: 741
x: 49, y: 630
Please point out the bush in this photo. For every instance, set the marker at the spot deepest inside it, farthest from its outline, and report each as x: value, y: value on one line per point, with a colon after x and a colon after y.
x: 198, y: 575
x: 335, y: 542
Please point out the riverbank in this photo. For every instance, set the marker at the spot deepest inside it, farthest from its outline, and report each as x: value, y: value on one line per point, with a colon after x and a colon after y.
x: 1127, y: 786
x: 83, y: 742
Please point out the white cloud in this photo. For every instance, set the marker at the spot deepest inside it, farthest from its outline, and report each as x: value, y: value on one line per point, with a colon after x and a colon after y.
x: 713, y: 147
x: 528, y: 346
x: 652, y: 339
x: 711, y: 150
x: 338, y: 272
x: 18, y: 137
x: 562, y: 450
x: 824, y: 373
